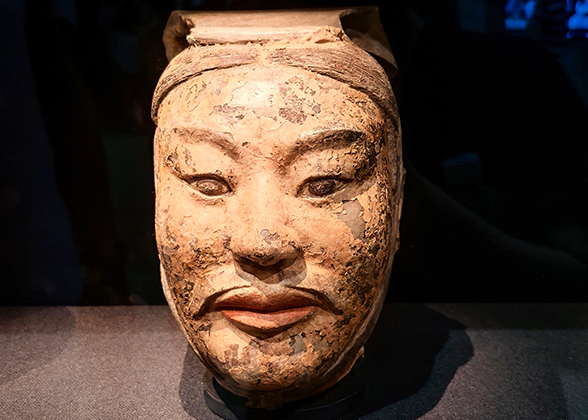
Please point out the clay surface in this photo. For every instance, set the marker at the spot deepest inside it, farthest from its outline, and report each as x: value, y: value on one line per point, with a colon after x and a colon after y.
x: 278, y: 194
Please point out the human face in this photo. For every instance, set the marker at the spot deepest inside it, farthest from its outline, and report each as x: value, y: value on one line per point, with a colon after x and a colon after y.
x: 274, y: 223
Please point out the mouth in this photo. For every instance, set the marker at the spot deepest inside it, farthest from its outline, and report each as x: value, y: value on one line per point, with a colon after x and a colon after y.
x: 261, y: 315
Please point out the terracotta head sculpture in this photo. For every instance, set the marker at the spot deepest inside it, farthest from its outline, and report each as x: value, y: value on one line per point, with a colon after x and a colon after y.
x: 278, y: 187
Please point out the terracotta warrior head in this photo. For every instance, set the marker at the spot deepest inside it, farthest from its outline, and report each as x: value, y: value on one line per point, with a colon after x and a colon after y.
x: 279, y: 187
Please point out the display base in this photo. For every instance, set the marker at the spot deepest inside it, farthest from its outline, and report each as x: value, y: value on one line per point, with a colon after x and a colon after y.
x: 337, y: 401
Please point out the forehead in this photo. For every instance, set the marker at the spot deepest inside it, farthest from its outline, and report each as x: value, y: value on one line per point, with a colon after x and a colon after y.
x: 262, y: 103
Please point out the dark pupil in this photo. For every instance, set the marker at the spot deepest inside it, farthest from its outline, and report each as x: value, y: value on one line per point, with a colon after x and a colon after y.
x: 322, y: 187
x: 210, y: 187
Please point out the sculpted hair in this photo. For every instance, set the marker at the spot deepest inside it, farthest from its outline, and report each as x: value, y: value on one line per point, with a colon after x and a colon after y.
x: 341, y: 60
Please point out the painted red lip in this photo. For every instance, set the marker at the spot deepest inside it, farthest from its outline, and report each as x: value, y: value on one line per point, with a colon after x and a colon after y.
x: 259, y: 314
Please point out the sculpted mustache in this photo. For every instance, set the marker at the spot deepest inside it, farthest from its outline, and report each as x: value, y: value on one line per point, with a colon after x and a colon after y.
x: 315, y: 295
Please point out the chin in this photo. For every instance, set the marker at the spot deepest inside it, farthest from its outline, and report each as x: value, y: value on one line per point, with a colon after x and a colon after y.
x: 302, y: 361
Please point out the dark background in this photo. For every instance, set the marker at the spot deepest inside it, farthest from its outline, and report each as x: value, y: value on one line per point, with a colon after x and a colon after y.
x: 495, y: 127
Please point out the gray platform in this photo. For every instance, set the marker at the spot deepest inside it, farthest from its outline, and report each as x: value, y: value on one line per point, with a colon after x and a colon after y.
x: 442, y: 361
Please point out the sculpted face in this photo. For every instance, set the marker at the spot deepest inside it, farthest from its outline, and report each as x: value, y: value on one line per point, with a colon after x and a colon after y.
x: 275, y: 225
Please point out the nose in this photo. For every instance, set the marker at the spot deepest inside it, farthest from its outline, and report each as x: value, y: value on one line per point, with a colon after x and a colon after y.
x: 264, y: 247
x: 264, y: 241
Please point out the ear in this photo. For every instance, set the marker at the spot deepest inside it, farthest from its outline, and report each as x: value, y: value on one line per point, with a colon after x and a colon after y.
x: 174, y: 36
x: 363, y: 26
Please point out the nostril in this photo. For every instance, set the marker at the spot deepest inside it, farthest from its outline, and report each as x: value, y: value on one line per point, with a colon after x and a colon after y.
x: 263, y: 258
x: 264, y: 269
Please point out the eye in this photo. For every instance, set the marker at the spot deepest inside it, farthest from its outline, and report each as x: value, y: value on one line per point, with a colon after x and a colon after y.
x: 210, y: 186
x: 322, y: 187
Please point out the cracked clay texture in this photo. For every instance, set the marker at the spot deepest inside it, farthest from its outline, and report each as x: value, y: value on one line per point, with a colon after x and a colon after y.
x: 278, y: 193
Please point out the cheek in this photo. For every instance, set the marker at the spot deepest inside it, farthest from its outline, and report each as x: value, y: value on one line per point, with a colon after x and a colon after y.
x: 323, y: 237
x: 354, y: 245
x: 190, y: 236
x: 192, y: 247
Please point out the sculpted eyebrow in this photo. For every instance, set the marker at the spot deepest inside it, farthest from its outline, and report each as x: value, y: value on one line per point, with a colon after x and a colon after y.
x: 323, y: 139
x: 223, y: 141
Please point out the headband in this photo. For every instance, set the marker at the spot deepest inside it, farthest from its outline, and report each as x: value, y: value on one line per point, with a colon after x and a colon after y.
x: 338, y: 43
